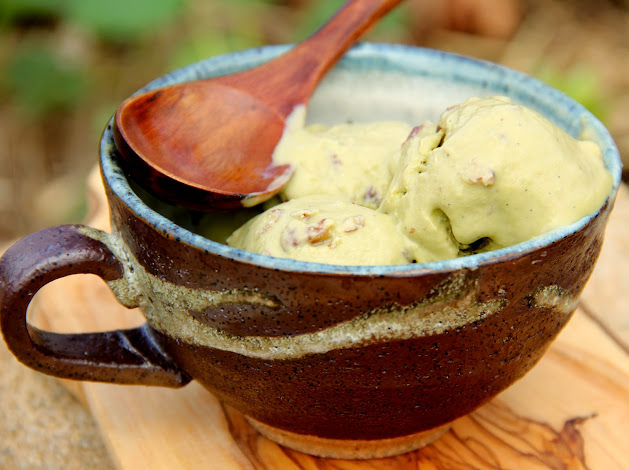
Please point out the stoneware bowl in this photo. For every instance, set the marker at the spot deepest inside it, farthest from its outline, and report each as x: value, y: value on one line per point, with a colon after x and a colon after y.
x: 343, y: 361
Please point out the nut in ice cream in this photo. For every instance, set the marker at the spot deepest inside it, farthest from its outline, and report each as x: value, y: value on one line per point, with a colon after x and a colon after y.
x: 489, y: 174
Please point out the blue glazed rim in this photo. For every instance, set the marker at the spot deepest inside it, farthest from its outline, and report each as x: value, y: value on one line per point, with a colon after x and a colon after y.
x: 409, y: 60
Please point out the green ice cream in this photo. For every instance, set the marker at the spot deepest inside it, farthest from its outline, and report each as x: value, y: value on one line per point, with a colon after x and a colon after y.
x: 324, y: 229
x: 489, y: 174
x: 349, y: 161
x: 493, y: 173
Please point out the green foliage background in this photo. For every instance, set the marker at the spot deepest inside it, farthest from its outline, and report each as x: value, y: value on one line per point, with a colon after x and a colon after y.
x: 40, y: 78
x: 164, y: 34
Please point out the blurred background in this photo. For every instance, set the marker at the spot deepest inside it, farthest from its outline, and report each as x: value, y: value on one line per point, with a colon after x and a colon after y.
x: 65, y: 66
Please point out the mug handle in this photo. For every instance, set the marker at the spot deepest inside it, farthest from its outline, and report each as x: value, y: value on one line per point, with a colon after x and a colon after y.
x: 130, y: 356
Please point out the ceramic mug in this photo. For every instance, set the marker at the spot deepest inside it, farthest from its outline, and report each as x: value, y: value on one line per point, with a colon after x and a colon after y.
x: 339, y: 361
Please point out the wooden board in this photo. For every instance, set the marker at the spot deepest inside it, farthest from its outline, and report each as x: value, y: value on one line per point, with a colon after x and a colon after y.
x: 570, y: 412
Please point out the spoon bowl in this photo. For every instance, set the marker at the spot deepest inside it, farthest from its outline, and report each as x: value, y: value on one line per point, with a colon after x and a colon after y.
x: 209, y: 165
x: 208, y: 145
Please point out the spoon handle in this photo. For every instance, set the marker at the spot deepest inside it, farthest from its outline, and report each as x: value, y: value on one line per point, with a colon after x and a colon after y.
x: 290, y: 79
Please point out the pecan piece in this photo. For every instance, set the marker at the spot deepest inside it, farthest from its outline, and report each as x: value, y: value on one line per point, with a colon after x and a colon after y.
x: 351, y: 224
x: 320, y: 232
x: 271, y: 219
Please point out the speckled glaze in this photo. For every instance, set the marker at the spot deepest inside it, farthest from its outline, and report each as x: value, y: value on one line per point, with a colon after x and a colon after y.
x: 334, y: 354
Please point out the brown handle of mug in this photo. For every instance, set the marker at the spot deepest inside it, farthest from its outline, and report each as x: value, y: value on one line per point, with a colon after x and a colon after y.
x: 129, y: 356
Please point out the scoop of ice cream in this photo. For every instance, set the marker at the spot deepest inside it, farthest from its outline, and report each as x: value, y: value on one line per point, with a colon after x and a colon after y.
x: 350, y: 161
x: 493, y: 172
x: 323, y: 229
x: 489, y: 174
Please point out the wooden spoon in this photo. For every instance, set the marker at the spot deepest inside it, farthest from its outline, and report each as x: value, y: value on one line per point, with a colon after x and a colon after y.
x: 208, y: 144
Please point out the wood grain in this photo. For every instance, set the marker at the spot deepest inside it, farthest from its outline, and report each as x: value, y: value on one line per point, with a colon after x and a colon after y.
x: 570, y: 412
x: 606, y: 297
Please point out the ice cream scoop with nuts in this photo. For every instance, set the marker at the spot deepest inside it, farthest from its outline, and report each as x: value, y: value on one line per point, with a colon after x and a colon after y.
x: 489, y: 174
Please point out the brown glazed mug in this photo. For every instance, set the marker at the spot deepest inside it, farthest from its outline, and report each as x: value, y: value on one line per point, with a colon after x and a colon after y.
x: 343, y: 361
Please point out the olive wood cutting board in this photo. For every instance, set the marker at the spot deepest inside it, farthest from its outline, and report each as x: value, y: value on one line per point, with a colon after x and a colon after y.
x: 570, y: 412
